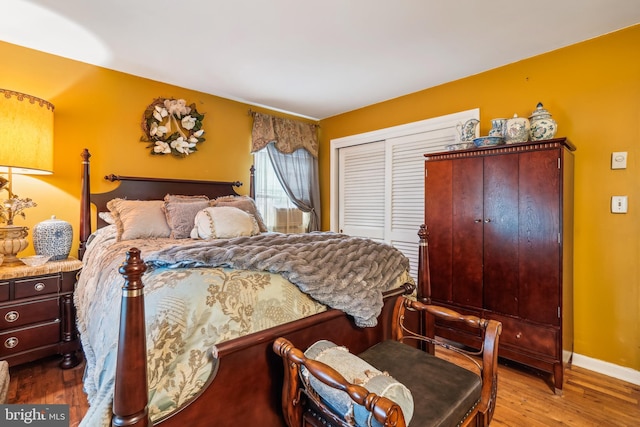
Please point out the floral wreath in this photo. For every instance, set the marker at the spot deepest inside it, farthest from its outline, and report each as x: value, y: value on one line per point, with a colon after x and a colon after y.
x: 171, y: 126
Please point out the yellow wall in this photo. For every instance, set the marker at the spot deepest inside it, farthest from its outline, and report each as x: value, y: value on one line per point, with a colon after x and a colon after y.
x: 593, y: 91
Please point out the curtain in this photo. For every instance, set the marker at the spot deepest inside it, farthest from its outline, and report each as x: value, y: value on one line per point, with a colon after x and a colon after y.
x: 298, y: 175
x: 288, y: 135
x: 293, y: 149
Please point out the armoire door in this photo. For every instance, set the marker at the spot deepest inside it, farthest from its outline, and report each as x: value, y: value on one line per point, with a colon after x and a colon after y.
x: 439, y: 218
x: 539, y: 236
x: 453, y: 213
x: 500, y: 226
x: 467, y: 256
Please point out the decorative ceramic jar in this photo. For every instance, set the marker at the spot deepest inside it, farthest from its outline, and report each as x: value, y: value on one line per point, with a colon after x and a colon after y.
x: 542, y: 125
x: 516, y: 130
x: 53, y: 238
x: 497, y: 127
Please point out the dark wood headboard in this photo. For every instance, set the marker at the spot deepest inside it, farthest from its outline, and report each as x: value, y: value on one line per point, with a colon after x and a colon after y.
x: 138, y: 188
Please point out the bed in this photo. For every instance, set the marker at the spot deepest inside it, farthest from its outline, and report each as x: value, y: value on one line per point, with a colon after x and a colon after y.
x: 175, y: 359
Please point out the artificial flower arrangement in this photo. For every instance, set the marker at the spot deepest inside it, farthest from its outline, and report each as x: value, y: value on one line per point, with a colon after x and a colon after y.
x: 171, y: 126
x: 13, y: 206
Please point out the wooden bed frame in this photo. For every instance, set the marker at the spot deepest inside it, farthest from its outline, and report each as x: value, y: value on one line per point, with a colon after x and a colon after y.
x: 246, y: 385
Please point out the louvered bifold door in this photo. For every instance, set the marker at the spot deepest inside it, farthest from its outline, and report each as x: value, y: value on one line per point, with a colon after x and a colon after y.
x: 405, y: 188
x: 362, y: 188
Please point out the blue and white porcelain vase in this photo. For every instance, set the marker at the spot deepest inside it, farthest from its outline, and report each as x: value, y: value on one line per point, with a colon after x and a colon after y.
x: 497, y: 127
x: 542, y: 125
x: 53, y: 238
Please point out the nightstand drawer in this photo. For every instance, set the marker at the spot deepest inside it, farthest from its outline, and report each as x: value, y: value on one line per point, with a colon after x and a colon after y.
x: 25, y: 288
x: 4, y: 291
x: 19, y: 340
x: 17, y: 315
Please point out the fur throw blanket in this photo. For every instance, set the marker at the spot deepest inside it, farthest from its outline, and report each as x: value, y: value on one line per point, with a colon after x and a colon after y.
x: 343, y: 272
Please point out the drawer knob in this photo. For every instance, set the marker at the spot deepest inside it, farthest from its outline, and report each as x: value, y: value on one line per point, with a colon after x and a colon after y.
x: 519, y: 335
x: 38, y: 286
x: 11, y: 342
x: 11, y: 316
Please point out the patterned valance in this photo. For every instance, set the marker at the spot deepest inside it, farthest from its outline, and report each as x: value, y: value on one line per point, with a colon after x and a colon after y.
x: 288, y: 135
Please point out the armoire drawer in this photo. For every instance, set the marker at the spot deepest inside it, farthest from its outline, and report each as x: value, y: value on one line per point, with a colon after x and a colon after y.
x: 15, y: 315
x: 524, y: 335
x: 22, y: 339
x: 35, y: 286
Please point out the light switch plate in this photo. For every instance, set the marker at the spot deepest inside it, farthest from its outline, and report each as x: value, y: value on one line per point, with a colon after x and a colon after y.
x: 619, y: 160
x: 619, y: 204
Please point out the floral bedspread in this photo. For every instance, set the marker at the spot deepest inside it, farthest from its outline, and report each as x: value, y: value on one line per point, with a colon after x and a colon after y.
x: 188, y: 311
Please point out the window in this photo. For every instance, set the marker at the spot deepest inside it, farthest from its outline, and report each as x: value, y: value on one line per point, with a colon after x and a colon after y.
x: 278, y: 212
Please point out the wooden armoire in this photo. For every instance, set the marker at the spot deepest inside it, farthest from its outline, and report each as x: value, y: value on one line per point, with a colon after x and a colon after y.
x: 500, y: 232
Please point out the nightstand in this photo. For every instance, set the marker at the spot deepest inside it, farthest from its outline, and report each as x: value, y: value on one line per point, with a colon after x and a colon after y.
x: 37, y: 314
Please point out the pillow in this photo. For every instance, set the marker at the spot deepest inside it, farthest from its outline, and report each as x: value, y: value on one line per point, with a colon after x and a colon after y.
x: 245, y: 203
x: 139, y: 219
x: 181, y: 198
x: 181, y: 216
x: 356, y: 371
x: 223, y: 222
x: 107, y: 217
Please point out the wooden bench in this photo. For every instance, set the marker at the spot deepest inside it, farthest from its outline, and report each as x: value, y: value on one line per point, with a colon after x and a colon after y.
x: 457, y: 390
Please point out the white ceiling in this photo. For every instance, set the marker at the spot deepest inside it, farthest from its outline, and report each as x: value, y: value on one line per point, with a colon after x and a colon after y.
x: 313, y: 59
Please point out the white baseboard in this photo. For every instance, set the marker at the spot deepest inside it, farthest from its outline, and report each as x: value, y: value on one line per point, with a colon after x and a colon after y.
x: 620, y: 372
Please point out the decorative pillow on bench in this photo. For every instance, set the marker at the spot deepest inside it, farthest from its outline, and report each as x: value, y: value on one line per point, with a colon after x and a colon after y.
x: 356, y: 371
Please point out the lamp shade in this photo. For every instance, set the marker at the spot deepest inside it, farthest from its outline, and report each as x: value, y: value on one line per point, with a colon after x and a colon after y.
x: 26, y: 134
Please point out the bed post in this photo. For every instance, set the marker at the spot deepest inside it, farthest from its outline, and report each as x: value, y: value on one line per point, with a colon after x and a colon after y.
x: 130, y: 397
x: 424, y: 278
x: 424, y: 287
x: 85, y: 204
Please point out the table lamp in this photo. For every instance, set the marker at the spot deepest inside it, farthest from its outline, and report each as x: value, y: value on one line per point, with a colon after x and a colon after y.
x: 26, y: 138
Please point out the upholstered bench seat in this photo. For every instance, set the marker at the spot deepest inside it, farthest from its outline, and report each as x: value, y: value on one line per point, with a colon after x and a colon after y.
x: 443, y: 392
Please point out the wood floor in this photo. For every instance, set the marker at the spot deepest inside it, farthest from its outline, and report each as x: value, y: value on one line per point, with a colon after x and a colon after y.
x: 524, y: 396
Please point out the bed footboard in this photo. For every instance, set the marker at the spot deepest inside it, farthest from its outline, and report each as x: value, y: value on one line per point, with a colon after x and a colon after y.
x: 247, y: 379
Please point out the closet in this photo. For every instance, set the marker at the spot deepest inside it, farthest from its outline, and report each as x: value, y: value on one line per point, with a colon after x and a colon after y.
x: 500, y: 232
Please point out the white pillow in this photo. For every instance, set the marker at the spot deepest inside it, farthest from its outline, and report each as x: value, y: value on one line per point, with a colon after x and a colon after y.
x: 223, y: 222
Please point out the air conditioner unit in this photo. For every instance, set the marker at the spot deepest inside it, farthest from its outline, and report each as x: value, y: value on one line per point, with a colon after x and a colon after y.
x: 288, y: 220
